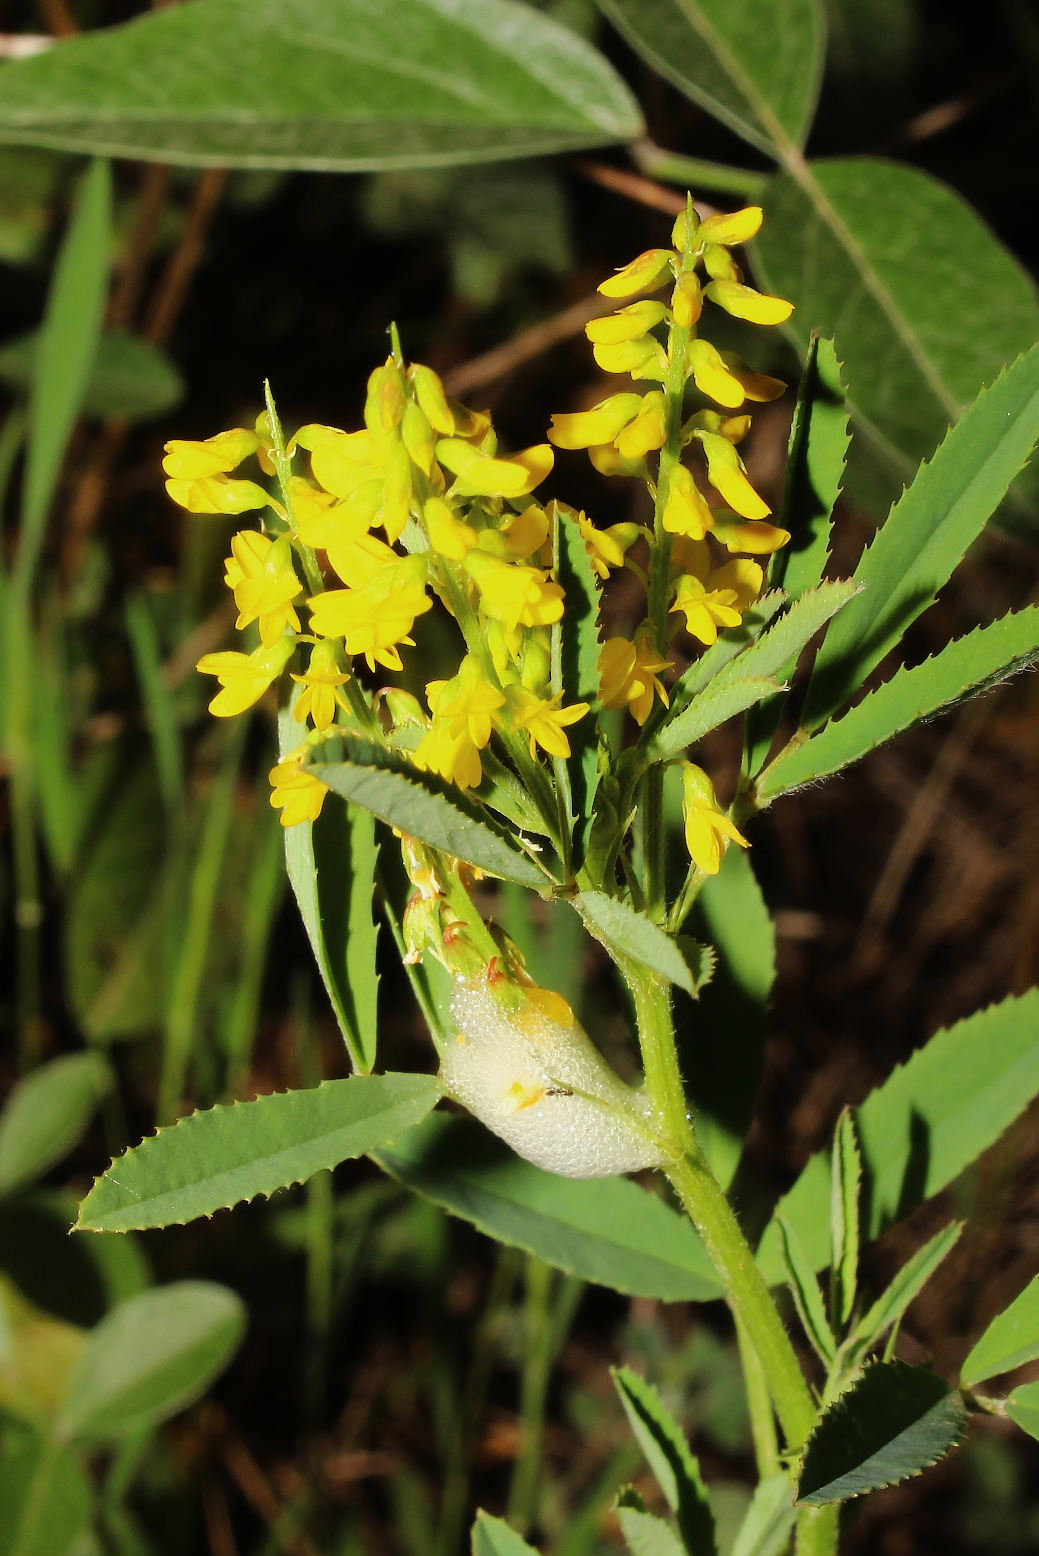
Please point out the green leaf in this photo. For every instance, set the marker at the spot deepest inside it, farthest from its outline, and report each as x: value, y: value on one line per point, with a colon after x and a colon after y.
x: 216, y: 1159
x: 724, y: 1077
x: 605, y: 1230
x: 756, y: 68
x: 775, y: 652
x: 702, y: 671
x: 630, y: 933
x: 418, y: 804
x: 818, y: 448
x: 911, y: 1279
x: 45, y: 1496
x: 46, y: 1114
x: 325, y: 84
x: 1010, y: 1340
x: 880, y: 257
x: 964, y: 667
x: 646, y: 1535
x: 672, y: 1461
x: 845, y: 1191
x: 893, y: 1422
x: 765, y: 1529
x: 723, y: 699
x: 808, y: 1299
x: 130, y: 377
x: 928, y: 1120
x: 1023, y: 1407
x: 493, y: 1537
x: 149, y: 1358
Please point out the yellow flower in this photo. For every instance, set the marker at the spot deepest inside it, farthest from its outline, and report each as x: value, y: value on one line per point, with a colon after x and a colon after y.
x: 744, y: 303
x: 217, y: 494
x: 384, y: 402
x: 543, y: 719
x: 469, y: 702
x: 629, y: 676
x: 641, y: 358
x: 607, y: 547
x: 482, y: 475
x: 718, y: 599
x: 758, y: 538
x: 712, y: 377
x: 629, y: 323
x: 244, y: 677
x: 686, y: 509
x: 323, y: 521
x: 736, y: 227
x: 417, y: 434
x: 759, y: 387
x: 526, y: 532
x: 642, y: 274
x: 218, y: 455
x: 452, y: 754
x: 321, y: 682
x: 600, y: 424
x: 687, y: 300
x: 727, y: 474
x: 374, y: 619
x: 295, y: 791
x: 395, y: 508
x: 448, y: 536
x: 429, y: 392
x: 341, y: 461
x: 648, y: 431
x: 708, y: 830
x: 264, y: 583
x: 513, y: 593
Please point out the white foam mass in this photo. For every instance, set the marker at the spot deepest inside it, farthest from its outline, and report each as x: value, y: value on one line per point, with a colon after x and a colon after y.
x: 545, y: 1089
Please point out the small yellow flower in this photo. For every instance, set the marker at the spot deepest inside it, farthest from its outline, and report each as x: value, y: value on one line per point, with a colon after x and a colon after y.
x: 716, y: 598
x: 244, y: 677
x: 187, y: 461
x: 513, y: 593
x: 525, y: 533
x: 712, y: 377
x: 321, y: 682
x: 736, y: 227
x: 469, y: 702
x: 629, y: 676
x: 395, y: 507
x: 686, y: 509
x: 377, y: 617
x: 217, y: 494
x: 600, y: 424
x: 629, y: 323
x: 262, y: 578
x: 687, y: 300
x: 759, y: 387
x: 642, y: 274
x: 452, y: 754
x: 384, y: 402
x: 429, y: 392
x: 648, y: 431
x: 323, y: 520
x: 727, y: 474
x: 744, y: 303
x: 341, y: 461
x: 708, y: 829
x: 641, y: 358
x: 756, y: 537
x: 416, y: 431
x: 482, y: 475
x: 542, y: 719
x: 448, y: 536
x: 607, y: 547
x: 295, y: 791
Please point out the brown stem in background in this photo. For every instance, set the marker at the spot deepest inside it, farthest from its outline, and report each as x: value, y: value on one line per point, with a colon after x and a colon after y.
x: 480, y: 371
x: 632, y: 185
x: 58, y: 18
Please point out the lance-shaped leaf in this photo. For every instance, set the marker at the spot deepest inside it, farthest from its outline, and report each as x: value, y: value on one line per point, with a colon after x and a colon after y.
x: 646, y: 1535
x: 606, y: 1230
x: 216, y: 1159
x: 911, y: 1279
x: 47, y: 1113
x: 623, y: 929
x: 493, y: 1537
x: 671, y: 1459
x: 928, y: 531
x: 765, y: 1529
x: 757, y: 68
x: 720, y: 702
x: 808, y: 1299
x: 879, y: 257
x: 326, y: 84
x: 1023, y: 1407
x: 919, y: 1130
x: 422, y: 806
x: 845, y: 1191
x: 1010, y: 1340
x: 775, y: 652
x: 965, y: 667
x: 817, y: 450
x: 736, y: 641
x: 893, y: 1422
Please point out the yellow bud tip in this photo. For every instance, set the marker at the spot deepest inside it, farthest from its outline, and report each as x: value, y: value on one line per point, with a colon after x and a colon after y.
x: 737, y: 227
x: 645, y: 272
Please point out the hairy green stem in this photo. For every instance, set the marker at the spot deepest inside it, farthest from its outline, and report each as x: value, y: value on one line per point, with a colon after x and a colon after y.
x: 759, y: 1405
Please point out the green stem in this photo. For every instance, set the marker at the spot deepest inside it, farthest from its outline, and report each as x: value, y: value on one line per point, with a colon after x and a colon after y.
x: 762, y: 1416
x: 818, y: 1529
x: 696, y: 173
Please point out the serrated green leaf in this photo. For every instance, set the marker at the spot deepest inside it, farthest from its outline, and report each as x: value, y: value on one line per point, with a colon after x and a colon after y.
x: 1011, y: 1339
x: 324, y: 84
x: 817, y: 450
x: 845, y: 1191
x: 149, y: 1358
x: 755, y: 68
x: 46, y: 1114
x: 723, y: 699
x: 928, y: 531
x: 605, y: 1230
x: 702, y: 671
x: 671, y: 1459
x: 775, y: 652
x: 1023, y: 1407
x: 493, y: 1537
x: 646, y: 1535
x: 419, y: 804
x: 213, y: 1160
x: 893, y: 1422
x: 880, y: 256
x: 965, y: 667
x: 766, y: 1526
x: 929, y: 1119
x: 631, y: 933
x: 911, y: 1279
x: 804, y: 1288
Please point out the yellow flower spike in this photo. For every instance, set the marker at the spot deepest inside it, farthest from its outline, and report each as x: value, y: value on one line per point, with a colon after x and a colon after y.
x: 542, y: 719
x: 737, y: 227
x: 648, y: 431
x: 244, y: 677
x: 712, y: 377
x: 321, y: 682
x: 687, y: 300
x: 395, y: 508
x: 469, y: 702
x: 758, y: 538
x: 600, y: 424
x: 295, y: 791
x: 448, y: 536
x: 743, y: 302
x: 686, y: 509
x: 759, y: 387
x: 708, y: 831
x: 187, y: 461
x: 376, y: 618
x: 429, y: 392
x: 641, y: 358
x: 629, y: 323
x: 629, y: 676
x: 481, y: 475
x: 512, y: 593
x: 218, y: 494
x: 727, y: 475
x: 260, y: 574
x: 642, y: 274
x: 417, y: 434
x: 525, y: 534
x: 384, y: 402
